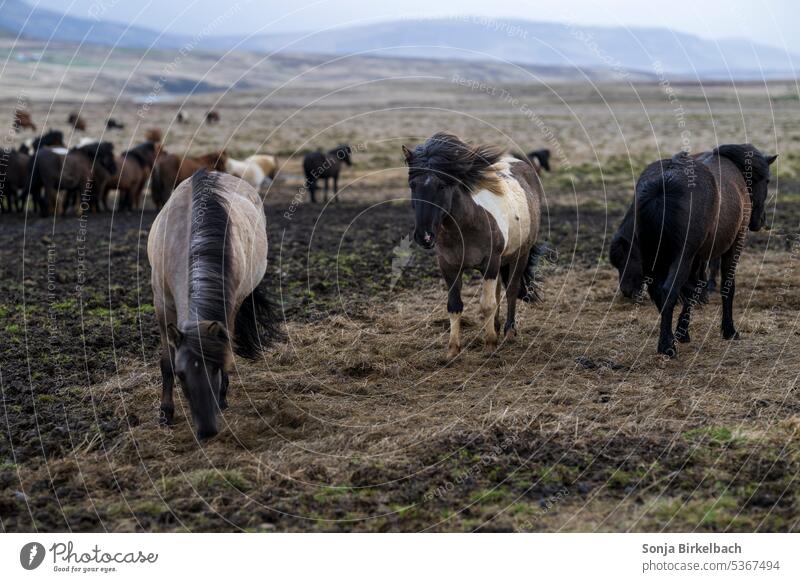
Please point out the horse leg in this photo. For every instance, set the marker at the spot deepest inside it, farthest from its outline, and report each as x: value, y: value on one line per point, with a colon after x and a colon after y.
x: 728, y: 289
x: 312, y: 191
x: 326, y: 189
x: 698, y: 293
x: 455, y: 307
x: 167, y: 413
x: 223, y: 391
x: 489, y: 310
x: 679, y: 273
x: 336, y: 188
x: 512, y: 293
x: 713, y: 273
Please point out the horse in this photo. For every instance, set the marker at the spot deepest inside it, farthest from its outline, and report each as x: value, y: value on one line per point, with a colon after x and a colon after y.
x: 208, y: 252
x: 170, y: 170
x: 153, y: 135
x: 82, y: 173
x: 540, y: 159
x: 255, y: 170
x: 23, y: 120
x: 624, y: 255
x: 76, y: 121
x: 690, y: 210
x: 133, y: 170
x: 479, y: 209
x: 114, y: 124
x: 318, y: 165
x: 212, y: 117
x: 14, y: 183
x: 182, y: 117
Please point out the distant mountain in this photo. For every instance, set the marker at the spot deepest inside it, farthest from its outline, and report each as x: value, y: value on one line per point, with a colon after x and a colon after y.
x: 544, y: 44
x: 20, y: 18
x: 619, y: 49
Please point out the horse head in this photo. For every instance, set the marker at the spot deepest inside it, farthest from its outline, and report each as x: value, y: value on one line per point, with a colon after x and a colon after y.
x: 437, y: 171
x: 202, y: 357
x: 344, y: 153
x: 754, y: 167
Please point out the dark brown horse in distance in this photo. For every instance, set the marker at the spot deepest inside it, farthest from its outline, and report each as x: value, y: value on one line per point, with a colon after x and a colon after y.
x: 81, y: 174
x: 170, y: 170
x: 480, y: 209
x: 14, y: 168
x: 76, y: 121
x: 114, y: 124
x: 212, y: 117
x: 690, y: 210
x: 318, y: 165
x: 23, y: 120
x: 133, y: 170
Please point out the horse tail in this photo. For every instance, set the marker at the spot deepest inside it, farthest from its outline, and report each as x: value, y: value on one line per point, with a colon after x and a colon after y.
x: 530, y: 290
x: 660, y: 195
x: 257, y: 324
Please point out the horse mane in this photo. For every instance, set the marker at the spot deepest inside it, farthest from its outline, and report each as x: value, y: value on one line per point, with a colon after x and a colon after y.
x: 456, y: 163
x: 747, y: 158
x: 209, y: 263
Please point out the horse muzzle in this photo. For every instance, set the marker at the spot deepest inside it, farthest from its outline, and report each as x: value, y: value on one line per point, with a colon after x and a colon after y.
x: 425, y: 239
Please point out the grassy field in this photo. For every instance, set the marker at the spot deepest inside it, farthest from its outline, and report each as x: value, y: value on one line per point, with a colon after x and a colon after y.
x: 358, y: 422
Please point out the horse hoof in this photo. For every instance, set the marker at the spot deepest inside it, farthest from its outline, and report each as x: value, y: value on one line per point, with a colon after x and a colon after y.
x: 731, y: 336
x: 490, y: 347
x: 165, y: 418
x: 683, y: 338
x: 671, y: 352
x: 453, y: 352
x: 511, y: 335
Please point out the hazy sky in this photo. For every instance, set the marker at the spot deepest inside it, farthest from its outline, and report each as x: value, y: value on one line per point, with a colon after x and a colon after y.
x: 771, y: 22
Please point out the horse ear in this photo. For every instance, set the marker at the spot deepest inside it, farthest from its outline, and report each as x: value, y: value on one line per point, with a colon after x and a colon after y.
x: 174, y: 335
x: 408, y: 155
x: 217, y: 329
x: 771, y: 159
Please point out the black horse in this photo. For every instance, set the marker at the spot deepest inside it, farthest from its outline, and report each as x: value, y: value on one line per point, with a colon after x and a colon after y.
x: 540, y: 159
x: 318, y: 165
x: 692, y: 209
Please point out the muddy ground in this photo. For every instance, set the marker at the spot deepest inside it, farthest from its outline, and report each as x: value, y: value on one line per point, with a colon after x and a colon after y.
x: 357, y: 421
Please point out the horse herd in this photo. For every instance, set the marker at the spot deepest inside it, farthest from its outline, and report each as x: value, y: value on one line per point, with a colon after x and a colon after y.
x: 476, y: 206
x: 56, y: 179
x: 479, y: 208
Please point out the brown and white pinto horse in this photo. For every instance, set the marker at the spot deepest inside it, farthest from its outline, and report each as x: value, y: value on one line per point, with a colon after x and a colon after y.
x: 480, y: 210
x: 208, y: 253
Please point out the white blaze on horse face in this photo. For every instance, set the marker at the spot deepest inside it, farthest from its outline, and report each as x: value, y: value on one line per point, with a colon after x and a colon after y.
x: 508, y: 208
